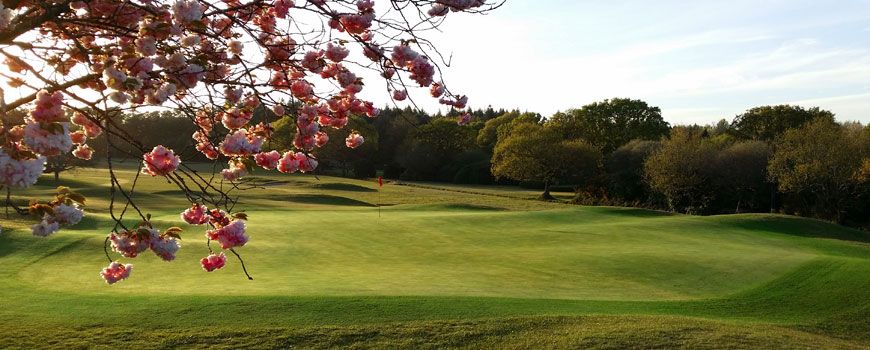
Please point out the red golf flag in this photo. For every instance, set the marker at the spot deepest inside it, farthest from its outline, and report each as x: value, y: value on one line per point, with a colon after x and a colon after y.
x: 380, y: 182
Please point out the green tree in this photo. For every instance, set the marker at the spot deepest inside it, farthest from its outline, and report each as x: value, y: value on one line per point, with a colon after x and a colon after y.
x: 612, y: 123
x: 625, y: 170
x: 431, y: 148
x: 488, y: 136
x: 681, y: 170
x: 769, y: 122
x: 742, y: 173
x: 533, y: 152
x: 821, y: 162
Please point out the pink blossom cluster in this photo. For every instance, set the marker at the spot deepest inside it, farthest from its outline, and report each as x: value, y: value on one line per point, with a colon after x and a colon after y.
x: 83, y: 152
x: 354, y: 140
x: 129, y: 244
x: 268, y: 160
x: 48, y: 107
x: 42, y: 139
x: 68, y: 214
x: 443, y: 6
x: 235, y: 118
x: 89, y: 128
x: 356, y: 23
x: 241, y: 143
x: 464, y: 119
x: 116, y: 272
x: 236, y: 170
x: 45, y: 228
x: 64, y: 214
x: 229, y: 236
x: 213, y: 262
x: 195, y: 215
x: 296, y: 161
x: 336, y: 53
x: 160, y: 161
x: 19, y: 173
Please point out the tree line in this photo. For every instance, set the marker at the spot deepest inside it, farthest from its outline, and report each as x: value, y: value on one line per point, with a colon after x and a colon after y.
x: 785, y: 159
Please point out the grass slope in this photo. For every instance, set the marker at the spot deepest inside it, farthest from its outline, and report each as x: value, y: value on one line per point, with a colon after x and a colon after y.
x: 440, y: 268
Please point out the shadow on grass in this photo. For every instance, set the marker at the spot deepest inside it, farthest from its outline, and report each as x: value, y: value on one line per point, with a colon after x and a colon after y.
x: 794, y: 226
x: 342, y: 187
x: 320, y: 199
x: 630, y: 212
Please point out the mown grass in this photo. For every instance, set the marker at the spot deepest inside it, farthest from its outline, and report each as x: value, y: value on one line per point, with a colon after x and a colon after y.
x: 440, y: 269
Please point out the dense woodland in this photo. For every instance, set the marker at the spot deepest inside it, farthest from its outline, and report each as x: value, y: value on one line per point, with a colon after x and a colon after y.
x: 785, y: 159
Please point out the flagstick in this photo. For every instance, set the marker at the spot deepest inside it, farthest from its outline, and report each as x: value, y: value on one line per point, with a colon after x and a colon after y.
x: 379, y: 203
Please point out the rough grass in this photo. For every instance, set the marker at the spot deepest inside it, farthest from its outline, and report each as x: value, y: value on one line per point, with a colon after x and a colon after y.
x: 440, y: 268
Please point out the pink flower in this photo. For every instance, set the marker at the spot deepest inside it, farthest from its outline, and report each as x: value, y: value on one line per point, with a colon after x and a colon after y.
x: 44, y: 228
x: 19, y: 173
x: 458, y: 102
x: 268, y: 160
x: 311, y: 61
x: 165, y: 248
x: 207, y: 150
x: 321, y: 139
x: 78, y: 137
x: 282, y: 7
x: 229, y: 236
x: 403, y: 55
x: 186, y: 11
x: 356, y: 24
x: 47, y: 142
x: 68, y: 215
x: 146, y: 45
x: 236, y: 170
x: 195, y: 215
x: 336, y: 53
x: 278, y: 110
x: 438, y: 10
x: 437, y: 90
x: 235, y: 47
x: 241, y: 143
x: 400, y: 95
x: 83, y: 152
x: 301, y: 89
x: 191, y: 75
x: 233, y: 95
x: 235, y: 118
x: 116, y: 272
x: 354, y: 140
x: 129, y: 245
x: 421, y: 71
x: 91, y: 129
x: 465, y: 119
x: 213, y: 262
x: 288, y: 163
x: 160, y: 161
x: 307, y: 163
x: 49, y: 107
x: 218, y: 218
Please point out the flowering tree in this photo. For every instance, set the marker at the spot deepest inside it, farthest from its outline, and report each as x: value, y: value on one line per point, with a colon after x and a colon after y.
x: 213, y: 61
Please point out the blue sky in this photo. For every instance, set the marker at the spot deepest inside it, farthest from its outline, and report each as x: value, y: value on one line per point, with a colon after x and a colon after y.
x: 699, y: 61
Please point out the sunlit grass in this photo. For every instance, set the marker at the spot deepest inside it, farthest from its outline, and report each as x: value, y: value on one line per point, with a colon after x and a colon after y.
x: 437, y: 268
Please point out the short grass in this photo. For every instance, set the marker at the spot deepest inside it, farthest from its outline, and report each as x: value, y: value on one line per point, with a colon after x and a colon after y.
x: 439, y: 267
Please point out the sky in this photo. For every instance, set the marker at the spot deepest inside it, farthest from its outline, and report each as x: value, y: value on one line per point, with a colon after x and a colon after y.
x: 699, y: 61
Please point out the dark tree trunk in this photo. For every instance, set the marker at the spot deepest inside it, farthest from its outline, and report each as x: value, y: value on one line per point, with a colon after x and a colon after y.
x: 57, y: 177
x: 546, y: 195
